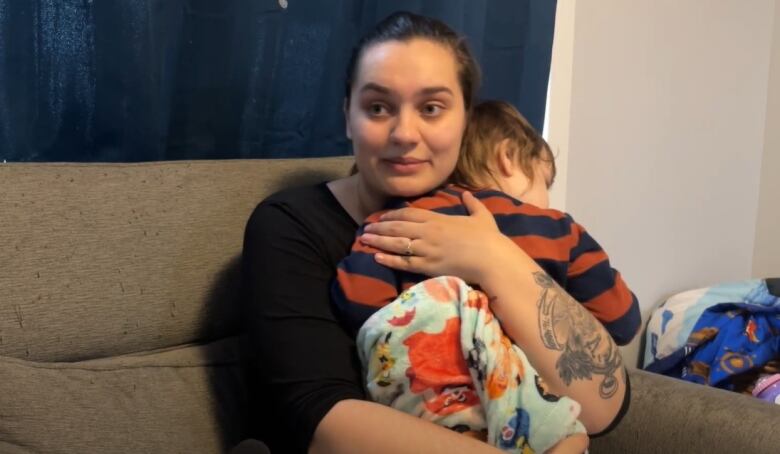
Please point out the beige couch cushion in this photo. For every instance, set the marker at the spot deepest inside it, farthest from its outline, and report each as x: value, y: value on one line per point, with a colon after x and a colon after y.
x: 668, y: 415
x: 100, y: 260
x: 183, y: 400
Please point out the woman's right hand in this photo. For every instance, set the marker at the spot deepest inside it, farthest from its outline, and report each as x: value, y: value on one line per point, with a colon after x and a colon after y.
x: 465, y: 246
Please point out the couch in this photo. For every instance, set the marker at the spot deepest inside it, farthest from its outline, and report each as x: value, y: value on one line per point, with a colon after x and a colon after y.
x: 120, y: 317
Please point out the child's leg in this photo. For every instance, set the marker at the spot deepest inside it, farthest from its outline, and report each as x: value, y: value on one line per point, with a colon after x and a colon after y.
x: 411, y: 355
x: 573, y: 444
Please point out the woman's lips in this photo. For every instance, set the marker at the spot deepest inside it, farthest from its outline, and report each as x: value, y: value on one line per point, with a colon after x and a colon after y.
x: 405, y: 166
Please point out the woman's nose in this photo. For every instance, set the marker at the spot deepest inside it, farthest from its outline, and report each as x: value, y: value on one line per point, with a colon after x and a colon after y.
x: 405, y: 131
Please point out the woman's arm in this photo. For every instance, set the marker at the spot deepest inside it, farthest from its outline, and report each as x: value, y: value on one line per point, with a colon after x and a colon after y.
x: 569, y: 348
x: 565, y: 343
x: 300, y: 360
x: 354, y: 426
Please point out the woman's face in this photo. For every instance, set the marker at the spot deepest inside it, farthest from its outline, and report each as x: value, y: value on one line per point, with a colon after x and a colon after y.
x: 406, y: 116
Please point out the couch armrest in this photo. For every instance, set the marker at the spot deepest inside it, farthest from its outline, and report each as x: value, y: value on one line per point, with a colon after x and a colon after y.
x: 669, y: 415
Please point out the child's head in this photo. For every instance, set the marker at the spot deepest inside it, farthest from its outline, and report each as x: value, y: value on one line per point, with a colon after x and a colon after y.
x: 502, y: 151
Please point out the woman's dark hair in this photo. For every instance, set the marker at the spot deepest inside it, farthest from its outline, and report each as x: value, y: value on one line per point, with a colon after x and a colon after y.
x: 404, y: 26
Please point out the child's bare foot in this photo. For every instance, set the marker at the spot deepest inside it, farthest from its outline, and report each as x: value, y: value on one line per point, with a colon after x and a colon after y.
x: 573, y: 444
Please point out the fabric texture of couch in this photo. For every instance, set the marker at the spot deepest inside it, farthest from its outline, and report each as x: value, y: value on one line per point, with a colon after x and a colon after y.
x: 120, y: 317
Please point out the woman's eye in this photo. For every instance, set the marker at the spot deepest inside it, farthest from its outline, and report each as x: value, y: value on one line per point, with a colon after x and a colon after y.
x: 377, y: 110
x: 431, y: 110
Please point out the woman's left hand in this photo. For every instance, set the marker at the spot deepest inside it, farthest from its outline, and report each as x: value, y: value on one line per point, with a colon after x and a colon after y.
x: 434, y: 244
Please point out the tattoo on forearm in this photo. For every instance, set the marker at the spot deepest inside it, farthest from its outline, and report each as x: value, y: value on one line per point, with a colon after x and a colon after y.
x: 567, y: 327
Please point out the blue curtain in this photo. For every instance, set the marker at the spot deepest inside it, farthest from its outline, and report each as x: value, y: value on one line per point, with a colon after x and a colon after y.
x: 145, y: 80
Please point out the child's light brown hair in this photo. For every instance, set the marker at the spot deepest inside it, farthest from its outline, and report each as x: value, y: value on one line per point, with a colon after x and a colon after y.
x: 489, y: 123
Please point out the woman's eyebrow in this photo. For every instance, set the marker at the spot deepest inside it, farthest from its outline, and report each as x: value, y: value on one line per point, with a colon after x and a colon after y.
x: 371, y: 86
x: 435, y: 90
x: 427, y: 91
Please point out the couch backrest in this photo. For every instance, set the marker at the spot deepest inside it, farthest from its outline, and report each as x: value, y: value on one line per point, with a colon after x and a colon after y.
x: 106, y: 259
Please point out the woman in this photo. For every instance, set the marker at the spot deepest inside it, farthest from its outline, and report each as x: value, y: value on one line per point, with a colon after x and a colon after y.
x: 410, y: 85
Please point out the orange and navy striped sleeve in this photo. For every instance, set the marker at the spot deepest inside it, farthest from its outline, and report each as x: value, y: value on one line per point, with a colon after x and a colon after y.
x: 560, y: 246
x: 592, y: 281
x: 571, y: 257
x: 362, y: 285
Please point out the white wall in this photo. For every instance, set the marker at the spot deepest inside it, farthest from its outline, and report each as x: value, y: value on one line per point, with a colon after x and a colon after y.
x: 766, y: 255
x: 665, y: 137
x: 558, y: 113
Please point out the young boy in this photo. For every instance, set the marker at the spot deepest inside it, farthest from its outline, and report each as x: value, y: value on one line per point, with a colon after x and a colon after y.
x: 509, y: 167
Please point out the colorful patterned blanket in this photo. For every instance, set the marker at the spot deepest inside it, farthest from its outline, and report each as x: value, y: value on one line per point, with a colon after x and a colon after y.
x: 438, y: 353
